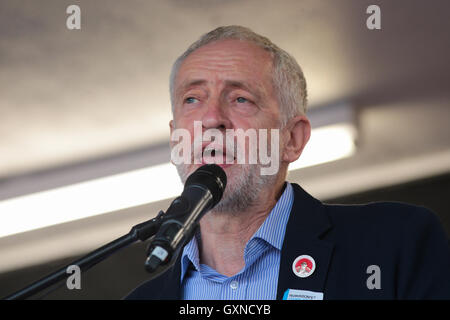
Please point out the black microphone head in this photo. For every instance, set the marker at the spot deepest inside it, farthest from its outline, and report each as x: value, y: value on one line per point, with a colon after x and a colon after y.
x: 210, y: 176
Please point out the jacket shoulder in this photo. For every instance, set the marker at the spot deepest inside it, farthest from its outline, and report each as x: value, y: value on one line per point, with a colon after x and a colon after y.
x: 408, y: 242
x: 396, y: 214
x: 389, y: 222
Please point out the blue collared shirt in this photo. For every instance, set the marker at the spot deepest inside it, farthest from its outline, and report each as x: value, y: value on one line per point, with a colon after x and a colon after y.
x: 258, y: 279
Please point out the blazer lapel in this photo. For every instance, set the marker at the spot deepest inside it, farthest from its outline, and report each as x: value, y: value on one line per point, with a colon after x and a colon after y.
x: 307, y: 222
x: 171, y: 287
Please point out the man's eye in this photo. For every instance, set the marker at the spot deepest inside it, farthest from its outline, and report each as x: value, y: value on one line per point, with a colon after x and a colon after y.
x: 190, y: 100
x: 241, y: 100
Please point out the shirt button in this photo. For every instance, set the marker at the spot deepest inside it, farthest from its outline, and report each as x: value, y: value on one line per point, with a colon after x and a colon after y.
x: 234, y: 285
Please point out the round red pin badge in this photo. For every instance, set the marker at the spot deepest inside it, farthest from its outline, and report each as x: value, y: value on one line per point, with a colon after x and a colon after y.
x: 303, y: 266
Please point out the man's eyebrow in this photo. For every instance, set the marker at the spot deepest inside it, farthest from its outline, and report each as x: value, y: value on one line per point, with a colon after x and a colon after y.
x: 255, y: 90
x: 191, y: 83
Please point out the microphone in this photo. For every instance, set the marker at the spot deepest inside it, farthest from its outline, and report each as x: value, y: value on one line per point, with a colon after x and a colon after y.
x: 202, y: 191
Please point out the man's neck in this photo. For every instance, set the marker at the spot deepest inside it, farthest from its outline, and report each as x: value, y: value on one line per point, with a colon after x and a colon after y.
x: 225, y: 235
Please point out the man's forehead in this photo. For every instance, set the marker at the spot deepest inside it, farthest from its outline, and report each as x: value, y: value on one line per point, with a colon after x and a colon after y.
x: 234, y: 63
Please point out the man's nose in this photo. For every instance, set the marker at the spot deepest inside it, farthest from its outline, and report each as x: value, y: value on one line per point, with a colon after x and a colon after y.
x: 215, y: 116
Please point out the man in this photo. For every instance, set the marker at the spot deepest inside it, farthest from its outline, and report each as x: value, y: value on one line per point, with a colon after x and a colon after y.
x: 253, y: 243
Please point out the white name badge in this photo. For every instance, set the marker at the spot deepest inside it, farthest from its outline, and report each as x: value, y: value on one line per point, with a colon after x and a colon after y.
x: 293, y: 294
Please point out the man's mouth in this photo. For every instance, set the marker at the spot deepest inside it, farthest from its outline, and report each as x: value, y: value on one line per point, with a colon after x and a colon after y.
x: 218, y: 154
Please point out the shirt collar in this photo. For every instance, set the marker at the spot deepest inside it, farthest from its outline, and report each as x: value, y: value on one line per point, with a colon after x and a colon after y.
x: 274, y: 227
x: 272, y: 231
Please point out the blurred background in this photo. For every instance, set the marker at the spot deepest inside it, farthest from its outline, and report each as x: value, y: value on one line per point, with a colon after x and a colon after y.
x: 84, y: 118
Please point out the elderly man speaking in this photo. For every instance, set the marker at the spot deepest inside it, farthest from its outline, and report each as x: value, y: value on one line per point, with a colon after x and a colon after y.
x: 268, y: 238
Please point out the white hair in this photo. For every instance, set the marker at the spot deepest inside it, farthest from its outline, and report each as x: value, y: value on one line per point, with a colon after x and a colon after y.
x: 288, y: 79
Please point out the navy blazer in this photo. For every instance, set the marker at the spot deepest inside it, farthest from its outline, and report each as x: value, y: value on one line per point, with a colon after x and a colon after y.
x: 406, y: 242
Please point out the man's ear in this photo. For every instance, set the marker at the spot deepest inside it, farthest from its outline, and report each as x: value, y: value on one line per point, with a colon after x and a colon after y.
x: 296, y: 134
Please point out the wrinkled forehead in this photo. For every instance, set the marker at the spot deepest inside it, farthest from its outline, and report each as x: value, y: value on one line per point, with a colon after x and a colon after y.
x: 227, y: 61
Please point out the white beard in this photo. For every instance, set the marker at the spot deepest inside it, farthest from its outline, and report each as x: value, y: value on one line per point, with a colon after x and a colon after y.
x: 242, y: 190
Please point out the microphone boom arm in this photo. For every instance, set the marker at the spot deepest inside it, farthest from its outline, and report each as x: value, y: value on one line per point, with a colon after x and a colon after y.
x: 141, y: 232
x: 171, y: 230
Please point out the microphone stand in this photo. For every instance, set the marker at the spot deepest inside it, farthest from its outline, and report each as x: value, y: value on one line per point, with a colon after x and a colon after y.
x: 141, y: 231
